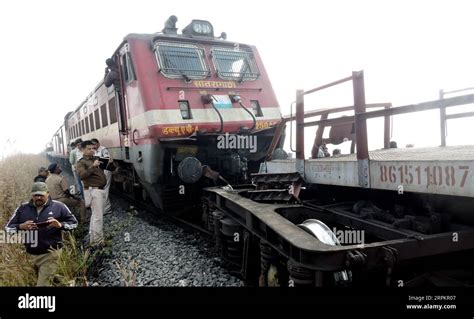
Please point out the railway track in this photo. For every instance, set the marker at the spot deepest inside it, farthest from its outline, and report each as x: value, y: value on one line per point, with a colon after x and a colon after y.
x: 155, y: 211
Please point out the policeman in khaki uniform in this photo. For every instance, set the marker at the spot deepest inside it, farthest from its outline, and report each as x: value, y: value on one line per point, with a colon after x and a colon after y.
x: 94, y: 181
x: 59, y: 190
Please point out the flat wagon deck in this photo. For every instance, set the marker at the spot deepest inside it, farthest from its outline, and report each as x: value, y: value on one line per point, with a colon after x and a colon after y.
x: 434, y: 170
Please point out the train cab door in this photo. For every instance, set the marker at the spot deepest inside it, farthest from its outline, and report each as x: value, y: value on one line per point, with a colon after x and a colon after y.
x: 127, y: 76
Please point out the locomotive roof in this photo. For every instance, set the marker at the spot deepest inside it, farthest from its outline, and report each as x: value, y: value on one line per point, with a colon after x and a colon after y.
x: 178, y: 37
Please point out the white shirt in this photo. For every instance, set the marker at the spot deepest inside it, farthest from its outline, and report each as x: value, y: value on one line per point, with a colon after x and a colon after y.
x: 102, y: 152
x: 78, y: 155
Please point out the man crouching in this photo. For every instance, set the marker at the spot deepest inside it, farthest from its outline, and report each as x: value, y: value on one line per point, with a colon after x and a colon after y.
x: 48, y: 218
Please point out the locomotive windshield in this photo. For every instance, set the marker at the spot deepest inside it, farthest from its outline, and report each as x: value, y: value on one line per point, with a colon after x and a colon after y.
x: 234, y: 64
x: 181, y: 60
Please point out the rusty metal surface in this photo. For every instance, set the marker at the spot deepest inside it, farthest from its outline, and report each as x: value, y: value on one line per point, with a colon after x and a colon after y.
x: 434, y: 177
x: 435, y: 170
x: 349, y: 78
x: 363, y: 172
x: 318, y: 140
x: 320, y: 111
x: 341, y: 171
x: 281, y: 187
x: 459, y: 115
x: 299, y: 129
x: 276, y: 138
x: 425, y: 106
x: 386, y: 129
x: 276, y: 177
x: 332, y: 173
x: 449, y: 153
x: 272, y: 195
x: 278, y: 166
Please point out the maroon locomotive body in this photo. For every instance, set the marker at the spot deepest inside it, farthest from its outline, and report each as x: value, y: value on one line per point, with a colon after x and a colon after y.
x: 178, y: 96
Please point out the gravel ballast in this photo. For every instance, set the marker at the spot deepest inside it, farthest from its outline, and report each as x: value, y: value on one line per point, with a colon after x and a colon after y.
x: 145, y: 250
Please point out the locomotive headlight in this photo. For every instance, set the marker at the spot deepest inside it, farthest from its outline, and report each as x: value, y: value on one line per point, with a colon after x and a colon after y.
x: 202, y: 28
x: 199, y: 28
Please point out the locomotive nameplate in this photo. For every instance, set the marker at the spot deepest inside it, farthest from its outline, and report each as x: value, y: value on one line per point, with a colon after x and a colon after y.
x: 215, y: 84
x: 182, y: 130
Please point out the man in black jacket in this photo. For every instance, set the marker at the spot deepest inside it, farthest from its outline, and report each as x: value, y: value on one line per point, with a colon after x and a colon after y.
x: 48, y: 218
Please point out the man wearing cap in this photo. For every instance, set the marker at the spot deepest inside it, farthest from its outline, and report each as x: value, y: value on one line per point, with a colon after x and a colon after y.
x: 59, y: 190
x: 42, y: 175
x: 94, y: 181
x: 48, y: 218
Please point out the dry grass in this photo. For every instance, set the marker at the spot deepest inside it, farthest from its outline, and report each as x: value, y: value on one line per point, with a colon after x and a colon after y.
x: 128, y: 272
x: 73, y: 263
x: 16, y: 176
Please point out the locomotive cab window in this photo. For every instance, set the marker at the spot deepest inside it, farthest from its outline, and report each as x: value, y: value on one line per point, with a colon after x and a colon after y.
x: 128, y: 70
x: 257, y: 110
x: 234, y: 64
x: 185, y: 110
x: 181, y: 60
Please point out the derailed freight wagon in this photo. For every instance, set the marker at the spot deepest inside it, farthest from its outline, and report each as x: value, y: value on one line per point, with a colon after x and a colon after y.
x: 394, y: 217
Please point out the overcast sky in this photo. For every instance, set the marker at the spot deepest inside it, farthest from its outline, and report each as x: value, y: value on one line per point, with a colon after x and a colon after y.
x: 53, y: 54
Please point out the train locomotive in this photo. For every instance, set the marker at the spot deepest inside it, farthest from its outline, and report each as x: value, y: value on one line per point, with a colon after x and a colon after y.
x: 173, y: 107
